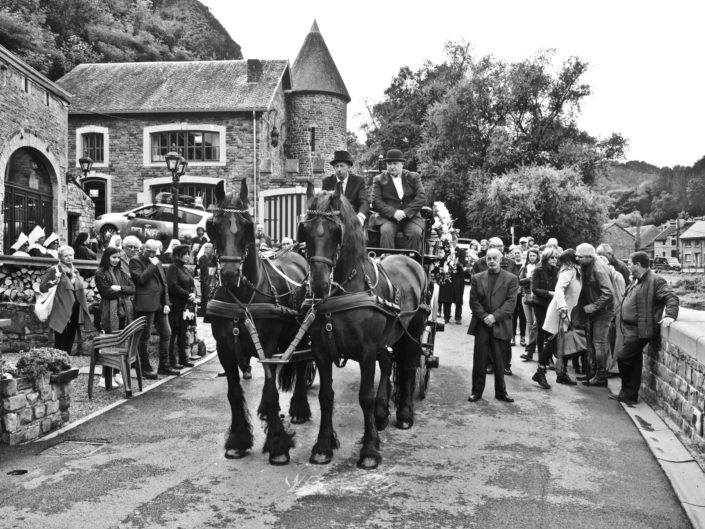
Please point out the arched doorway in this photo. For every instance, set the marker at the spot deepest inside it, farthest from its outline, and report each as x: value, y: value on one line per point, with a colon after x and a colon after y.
x: 96, y: 188
x: 28, y: 194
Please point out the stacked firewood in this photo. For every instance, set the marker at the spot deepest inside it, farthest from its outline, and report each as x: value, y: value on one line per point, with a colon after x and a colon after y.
x: 20, y: 285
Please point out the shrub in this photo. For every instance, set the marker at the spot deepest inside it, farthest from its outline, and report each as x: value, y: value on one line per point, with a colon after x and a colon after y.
x: 38, y: 361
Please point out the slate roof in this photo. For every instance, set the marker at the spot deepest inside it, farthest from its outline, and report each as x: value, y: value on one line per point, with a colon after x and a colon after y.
x: 696, y: 231
x: 314, y: 70
x: 189, y: 86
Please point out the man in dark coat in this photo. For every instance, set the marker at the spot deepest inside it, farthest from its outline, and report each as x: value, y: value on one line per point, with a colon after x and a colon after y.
x: 353, y: 186
x: 152, y: 301
x: 641, y: 316
x: 493, y: 296
x: 505, y: 264
x: 398, y: 196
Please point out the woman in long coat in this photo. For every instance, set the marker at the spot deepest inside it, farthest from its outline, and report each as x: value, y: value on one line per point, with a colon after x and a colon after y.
x: 561, y: 309
x: 182, y: 296
x: 116, y: 290
x: 452, y: 289
x: 69, y: 311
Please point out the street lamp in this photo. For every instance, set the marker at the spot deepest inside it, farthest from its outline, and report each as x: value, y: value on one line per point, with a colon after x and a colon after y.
x: 177, y: 164
x: 86, y: 165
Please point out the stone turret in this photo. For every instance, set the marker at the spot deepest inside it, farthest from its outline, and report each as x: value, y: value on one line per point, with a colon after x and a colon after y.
x: 317, y: 107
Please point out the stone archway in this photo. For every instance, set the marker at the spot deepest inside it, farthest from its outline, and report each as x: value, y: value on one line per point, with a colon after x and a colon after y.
x: 25, y: 147
x: 29, y: 197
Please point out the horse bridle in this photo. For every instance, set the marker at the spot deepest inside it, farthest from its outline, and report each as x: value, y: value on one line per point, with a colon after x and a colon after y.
x: 227, y: 258
x: 333, y: 216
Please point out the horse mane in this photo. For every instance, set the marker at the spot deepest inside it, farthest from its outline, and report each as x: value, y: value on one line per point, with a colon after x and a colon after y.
x: 353, y: 244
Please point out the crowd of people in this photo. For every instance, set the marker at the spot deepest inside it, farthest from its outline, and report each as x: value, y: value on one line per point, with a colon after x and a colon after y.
x: 617, y: 307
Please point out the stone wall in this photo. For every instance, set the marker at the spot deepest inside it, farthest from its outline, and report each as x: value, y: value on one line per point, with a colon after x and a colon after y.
x: 329, y: 116
x: 32, y: 407
x: 127, y: 170
x: 33, y: 115
x: 674, y: 375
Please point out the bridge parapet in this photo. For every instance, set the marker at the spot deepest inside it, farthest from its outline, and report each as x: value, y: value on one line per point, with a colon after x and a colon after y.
x: 674, y: 376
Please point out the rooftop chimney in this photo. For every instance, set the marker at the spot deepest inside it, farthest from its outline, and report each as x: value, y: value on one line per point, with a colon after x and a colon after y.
x: 254, y: 70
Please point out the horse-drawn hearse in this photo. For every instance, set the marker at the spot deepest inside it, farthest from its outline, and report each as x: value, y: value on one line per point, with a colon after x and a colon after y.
x: 340, y: 300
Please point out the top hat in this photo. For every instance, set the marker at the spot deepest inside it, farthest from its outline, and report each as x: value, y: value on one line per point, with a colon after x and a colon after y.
x: 342, y: 156
x: 394, y: 155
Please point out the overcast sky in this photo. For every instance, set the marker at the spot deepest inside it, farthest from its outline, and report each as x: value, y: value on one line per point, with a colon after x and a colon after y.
x: 646, y: 58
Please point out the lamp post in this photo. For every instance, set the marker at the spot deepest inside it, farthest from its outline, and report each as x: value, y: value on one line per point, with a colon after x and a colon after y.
x: 86, y: 164
x: 177, y: 165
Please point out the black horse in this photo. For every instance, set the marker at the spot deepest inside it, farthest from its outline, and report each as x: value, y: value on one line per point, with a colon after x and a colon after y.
x: 361, y: 309
x: 253, y: 313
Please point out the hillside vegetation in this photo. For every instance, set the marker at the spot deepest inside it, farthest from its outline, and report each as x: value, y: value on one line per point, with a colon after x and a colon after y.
x: 53, y: 36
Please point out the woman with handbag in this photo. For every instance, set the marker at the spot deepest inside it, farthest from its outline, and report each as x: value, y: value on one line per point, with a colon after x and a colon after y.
x: 543, y: 283
x: 181, y: 293
x: 69, y: 310
x: 527, y: 302
x: 559, y: 314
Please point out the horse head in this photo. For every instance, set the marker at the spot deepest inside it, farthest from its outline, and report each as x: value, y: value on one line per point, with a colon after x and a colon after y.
x: 232, y: 231
x: 332, y: 233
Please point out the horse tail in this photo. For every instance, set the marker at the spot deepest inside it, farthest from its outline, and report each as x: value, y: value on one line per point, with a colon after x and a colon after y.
x: 286, y: 378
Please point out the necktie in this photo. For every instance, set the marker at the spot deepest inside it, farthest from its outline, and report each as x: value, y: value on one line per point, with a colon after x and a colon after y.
x: 339, y: 187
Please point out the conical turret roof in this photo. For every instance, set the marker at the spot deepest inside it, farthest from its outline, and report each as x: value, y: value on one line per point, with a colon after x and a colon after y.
x: 314, y: 70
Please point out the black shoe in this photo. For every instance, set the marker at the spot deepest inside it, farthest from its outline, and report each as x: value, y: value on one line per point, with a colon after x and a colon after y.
x: 149, y: 375
x: 565, y: 379
x: 504, y: 398
x: 508, y: 371
x: 474, y: 398
x: 526, y: 357
x: 177, y: 366
x: 186, y: 363
x: 522, y: 342
x: 458, y: 321
x: 490, y: 370
x: 597, y: 382
x: 247, y: 375
x: 540, y: 378
x: 167, y: 370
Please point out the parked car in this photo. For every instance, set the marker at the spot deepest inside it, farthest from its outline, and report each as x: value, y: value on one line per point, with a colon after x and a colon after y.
x: 666, y: 263
x: 153, y: 221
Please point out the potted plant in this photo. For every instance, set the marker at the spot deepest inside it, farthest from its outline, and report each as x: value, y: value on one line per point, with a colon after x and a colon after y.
x: 39, y: 361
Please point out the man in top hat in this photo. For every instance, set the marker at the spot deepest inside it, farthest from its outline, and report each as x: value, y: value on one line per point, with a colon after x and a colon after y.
x: 52, y: 245
x: 398, y: 196
x: 21, y: 246
x: 36, y: 240
x: 351, y: 185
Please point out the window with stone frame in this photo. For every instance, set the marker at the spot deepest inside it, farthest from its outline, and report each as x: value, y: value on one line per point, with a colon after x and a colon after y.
x: 199, y: 146
x: 93, y: 146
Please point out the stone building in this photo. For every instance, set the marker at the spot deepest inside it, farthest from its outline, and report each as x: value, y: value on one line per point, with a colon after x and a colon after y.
x: 33, y: 156
x: 621, y: 241
x: 273, y: 125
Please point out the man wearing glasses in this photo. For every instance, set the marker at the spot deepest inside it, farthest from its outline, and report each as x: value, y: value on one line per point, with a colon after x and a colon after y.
x: 596, y: 300
x: 152, y: 301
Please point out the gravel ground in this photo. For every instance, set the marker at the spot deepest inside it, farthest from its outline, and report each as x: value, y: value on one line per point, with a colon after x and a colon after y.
x: 81, y: 405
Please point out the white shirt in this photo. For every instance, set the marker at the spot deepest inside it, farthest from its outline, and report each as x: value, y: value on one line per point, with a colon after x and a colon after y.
x: 398, y: 185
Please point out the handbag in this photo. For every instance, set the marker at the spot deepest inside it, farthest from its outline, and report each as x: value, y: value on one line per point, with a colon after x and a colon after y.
x: 45, y: 301
x: 571, y: 340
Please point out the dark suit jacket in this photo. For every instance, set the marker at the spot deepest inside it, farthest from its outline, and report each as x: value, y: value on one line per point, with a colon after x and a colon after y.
x: 151, y: 292
x: 500, y: 302
x: 385, y: 200
x: 355, y: 192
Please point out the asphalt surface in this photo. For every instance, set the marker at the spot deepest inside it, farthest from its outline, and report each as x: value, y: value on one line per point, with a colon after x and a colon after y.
x: 566, y: 457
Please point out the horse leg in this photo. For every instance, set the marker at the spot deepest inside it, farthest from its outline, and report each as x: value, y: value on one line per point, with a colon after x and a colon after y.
x: 278, y: 440
x: 299, y: 410
x: 240, y: 438
x: 382, y: 400
x: 370, y: 456
x: 322, y: 451
x: 405, y: 352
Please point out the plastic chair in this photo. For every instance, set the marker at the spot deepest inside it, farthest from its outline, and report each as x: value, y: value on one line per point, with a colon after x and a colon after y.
x: 118, y: 350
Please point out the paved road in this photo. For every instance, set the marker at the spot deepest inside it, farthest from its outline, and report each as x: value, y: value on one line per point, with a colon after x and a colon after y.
x: 568, y: 457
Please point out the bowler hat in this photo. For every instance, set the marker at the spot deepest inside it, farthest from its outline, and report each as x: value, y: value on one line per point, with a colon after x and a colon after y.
x: 342, y: 156
x: 181, y: 250
x: 394, y: 155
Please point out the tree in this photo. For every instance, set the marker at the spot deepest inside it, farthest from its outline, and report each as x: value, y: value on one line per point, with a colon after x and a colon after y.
x: 539, y: 201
